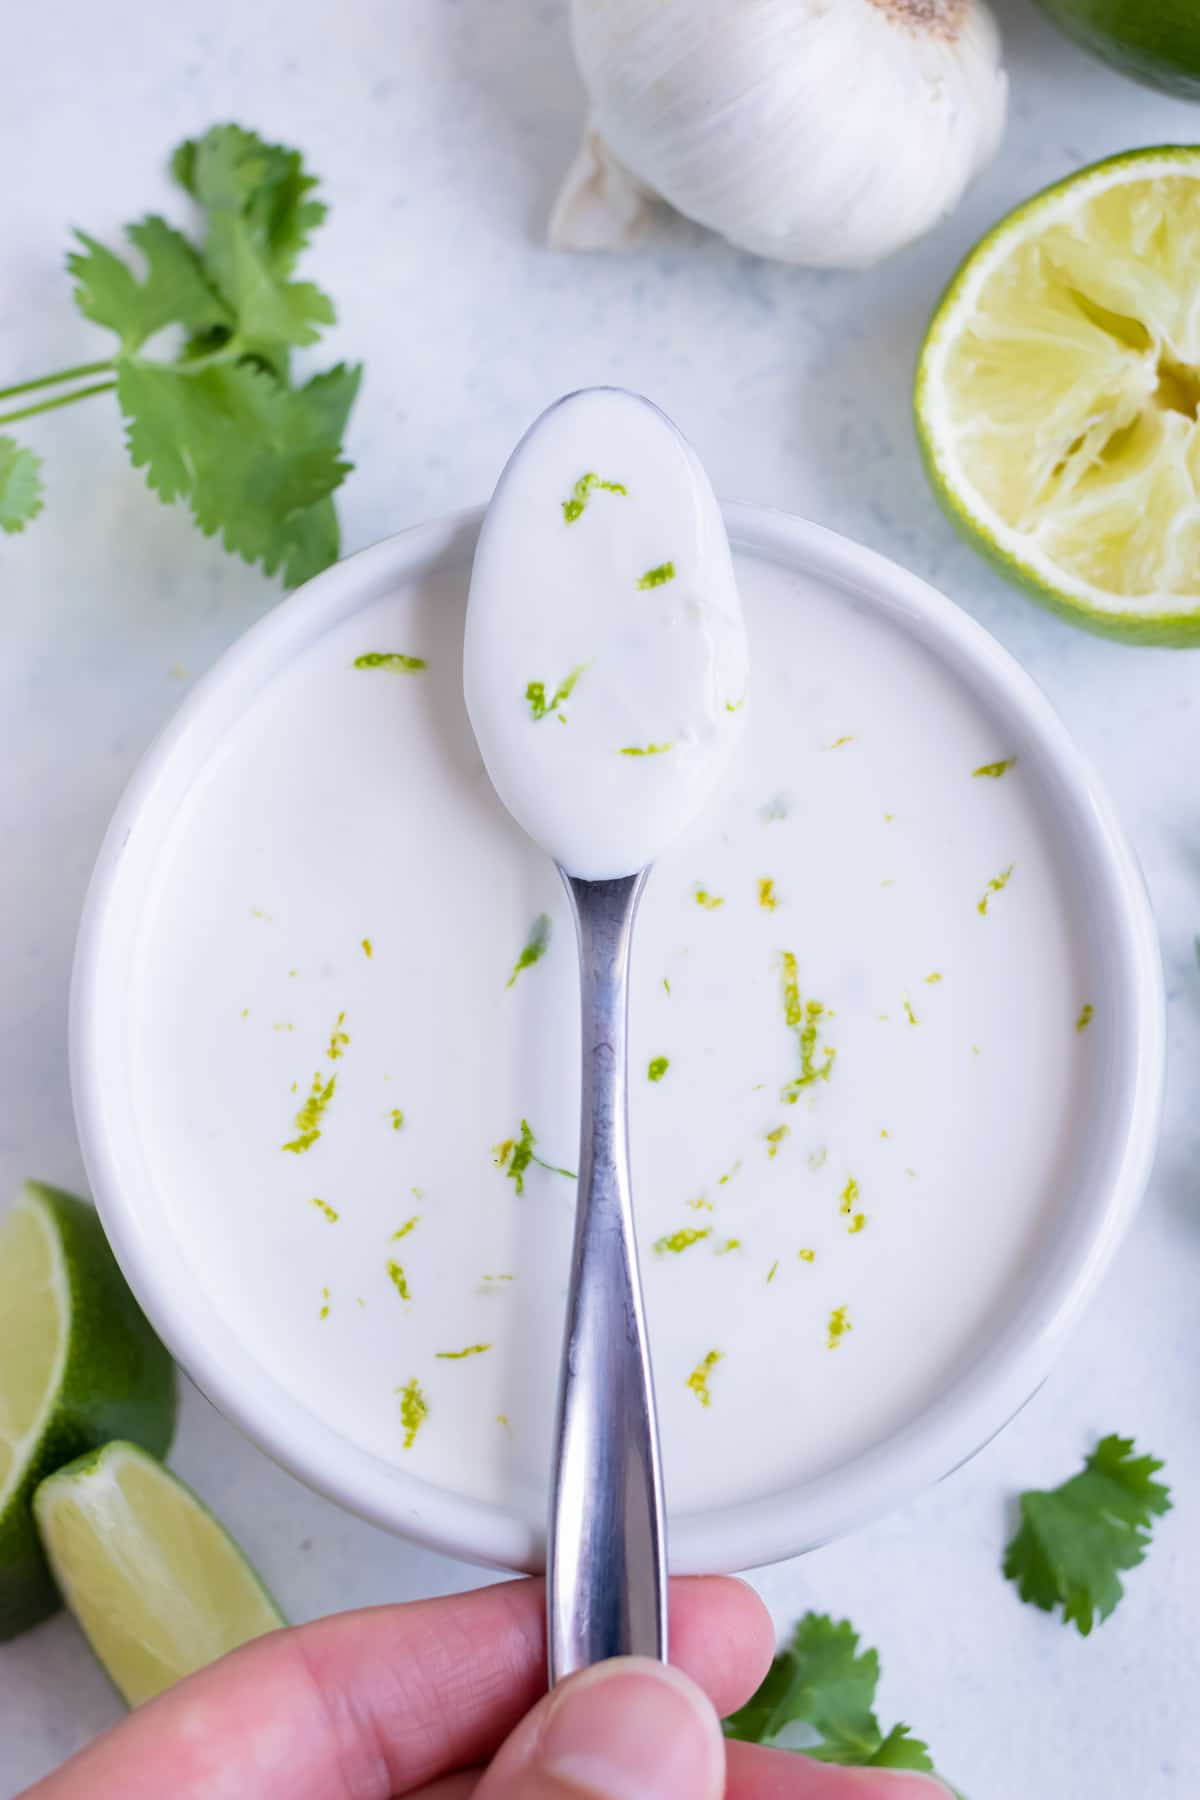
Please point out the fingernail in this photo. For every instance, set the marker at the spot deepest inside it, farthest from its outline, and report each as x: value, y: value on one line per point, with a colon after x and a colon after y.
x: 634, y: 1730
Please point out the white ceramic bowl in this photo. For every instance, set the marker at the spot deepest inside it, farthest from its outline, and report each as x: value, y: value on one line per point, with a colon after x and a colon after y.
x: 1109, y: 1171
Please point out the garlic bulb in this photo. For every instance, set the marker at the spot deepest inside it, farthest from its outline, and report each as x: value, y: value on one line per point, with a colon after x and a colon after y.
x: 827, y: 132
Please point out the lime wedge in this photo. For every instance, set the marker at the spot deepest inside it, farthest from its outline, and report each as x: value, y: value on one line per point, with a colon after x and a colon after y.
x: 78, y: 1365
x: 158, y: 1586
x: 1057, y: 396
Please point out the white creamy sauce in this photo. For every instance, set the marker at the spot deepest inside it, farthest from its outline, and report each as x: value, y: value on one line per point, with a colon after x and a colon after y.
x: 855, y: 1212
x: 605, y: 658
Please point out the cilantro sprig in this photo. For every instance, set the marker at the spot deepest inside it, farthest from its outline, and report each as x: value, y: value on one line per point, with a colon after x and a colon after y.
x: 221, y: 424
x: 1075, y: 1540
x: 822, y: 1680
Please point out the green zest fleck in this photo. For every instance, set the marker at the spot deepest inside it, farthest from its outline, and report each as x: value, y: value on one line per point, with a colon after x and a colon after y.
x: 666, y: 987
x: 681, y: 1240
x: 729, y: 1173
x: 774, y: 1139
x: 856, y: 1224
x: 709, y: 902
x: 535, y: 947
x: 766, y: 894
x: 1086, y: 1014
x: 838, y: 742
x: 658, y: 576
x: 391, y: 659
x: 658, y: 1067
x: 839, y: 1325
x: 326, y: 1211
x: 807, y: 1256
x: 909, y: 1014
x: 698, y: 1379
x: 368, y: 950
x: 735, y: 705
x: 457, y: 1355
x: 308, y: 1119
x: 804, y: 1019
x: 933, y: 979
x: 399, y: 1280
x: 700, y: 1203
x: 728, y: 1245
x: 324, y: 1312
x: 582, y: 491
x: 535, y: 694
x: 408, y: 1225
x: 993, y: 771
x: 514, y: 1157
x: 849, y: 1195
x: 995, y: 886
x: 338, y: 1039
x: 397, y: 1116
x: 414, y: 1410
x: 771, y: 1272
x: 644, y: 749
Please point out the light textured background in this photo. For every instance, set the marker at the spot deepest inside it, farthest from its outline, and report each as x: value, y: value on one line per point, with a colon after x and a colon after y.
x: 441, y: 129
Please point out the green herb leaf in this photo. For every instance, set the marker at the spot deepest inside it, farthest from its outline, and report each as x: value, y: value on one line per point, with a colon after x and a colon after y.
x: 20, y: 485
x: 535, y: 947
x: 1074, y: 1540
x: 176, y: 290
x: 824, y: 1681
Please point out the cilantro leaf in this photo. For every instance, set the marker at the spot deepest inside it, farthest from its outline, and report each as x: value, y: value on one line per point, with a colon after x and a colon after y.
x: 20, y: 485
x: 1074, y: 1540
x: 258, y: 219
x: 248, y: 453
x: 176, y: 290
x: 824, y: 1681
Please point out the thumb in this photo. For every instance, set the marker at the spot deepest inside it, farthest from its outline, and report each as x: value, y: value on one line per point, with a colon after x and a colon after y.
x: 630, y: 1729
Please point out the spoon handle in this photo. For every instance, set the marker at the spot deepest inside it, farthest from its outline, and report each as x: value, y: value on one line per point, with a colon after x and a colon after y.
x: 606, y: 1573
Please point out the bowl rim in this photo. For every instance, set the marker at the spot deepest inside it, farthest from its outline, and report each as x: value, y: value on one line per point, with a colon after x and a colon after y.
x: 981, y: 1398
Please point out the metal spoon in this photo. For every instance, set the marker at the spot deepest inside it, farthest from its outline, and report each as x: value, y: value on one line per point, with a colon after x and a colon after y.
x: 606, y: 1569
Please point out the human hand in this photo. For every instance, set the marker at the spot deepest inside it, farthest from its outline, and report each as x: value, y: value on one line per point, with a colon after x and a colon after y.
x: 445, y: 1700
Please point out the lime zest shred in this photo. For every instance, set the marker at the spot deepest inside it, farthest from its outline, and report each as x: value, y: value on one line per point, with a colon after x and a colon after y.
x: 667, y: 987
x: 368, y: 950
x: 399, y: 1279
x: 735, y: 705
x: 857, y: 1222
x: 397, y: 1118
x: 700, y: 1203
x: 414, y: 1410
x: 729, y: 1174
x: 338, y: 1039
x: 807, y: 1256
x: 709, y: 902
x: 324, y: 1312
x: 838, y: 742
x: 933, y: 978
x: 804, y: 1018
x: 535, y: 946
x: 458, y: 1355
x: 391, y: 659
x: 772, y: 1271
x: 658, y: 576
x: 658, y: 1067
x: 848, y: 1196
x: 311, y: 1114
x: 1087, y: 1013
x: 502, y: 1419
x: 727, y: 1246
x: 403, y: 1230
x: 767, y: 897
x: 515, y: 1156
x: 645, y: 749
x: 774, y: 1139
x: 326, y: 1211
x: 839, y: 1325
x: 993, y: 771
x: 535, y: 693
x: 582, y: 491
x: 909, y: 1014
x: 698, y: 1379
x: 678, y: 1241
x: 995, y: 886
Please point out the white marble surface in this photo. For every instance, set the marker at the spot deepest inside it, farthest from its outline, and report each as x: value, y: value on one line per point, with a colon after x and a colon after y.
x: 441, y: 129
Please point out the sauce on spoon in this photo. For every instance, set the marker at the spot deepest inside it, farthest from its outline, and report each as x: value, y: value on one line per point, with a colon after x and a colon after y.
x: 605, y: 665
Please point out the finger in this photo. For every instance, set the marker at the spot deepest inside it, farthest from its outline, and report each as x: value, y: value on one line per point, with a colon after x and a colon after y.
x: 630, y: 1729
x: 370, y: 1704
x: 757, y: 1774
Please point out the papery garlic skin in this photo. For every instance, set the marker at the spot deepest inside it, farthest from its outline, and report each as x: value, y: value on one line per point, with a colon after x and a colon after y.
x: 825, y: 132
